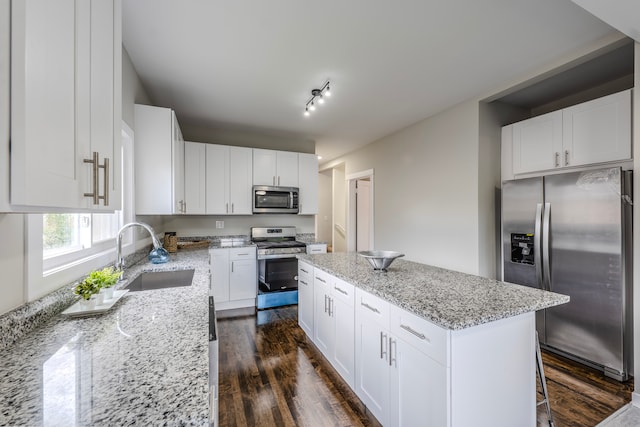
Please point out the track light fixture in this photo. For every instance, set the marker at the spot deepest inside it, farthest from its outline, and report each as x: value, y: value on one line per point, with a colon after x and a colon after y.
x: 317, y: 95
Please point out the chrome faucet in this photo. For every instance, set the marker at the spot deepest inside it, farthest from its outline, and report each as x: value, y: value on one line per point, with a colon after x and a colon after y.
x: 119, y: 258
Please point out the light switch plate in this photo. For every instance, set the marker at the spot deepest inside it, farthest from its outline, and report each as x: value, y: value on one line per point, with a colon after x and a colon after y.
x: 219, y: 224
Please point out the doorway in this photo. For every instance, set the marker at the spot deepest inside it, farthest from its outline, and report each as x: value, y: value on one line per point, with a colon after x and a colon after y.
x: 360, y: 211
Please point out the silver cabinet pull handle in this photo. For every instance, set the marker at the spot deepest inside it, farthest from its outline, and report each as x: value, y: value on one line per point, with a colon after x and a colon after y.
x: 375, y: 310
x: 557, y: 159
x: 330, y: 306
x: 245, y: 254
x: 566, y: 157
x: 105, y: 196
x: 325, y: 303
x: 303, y: 282
x: 322, y: 280
x: 94, y: 173
x: 383, y: 340
x: 278, y: 180
x: 392, y: 359
x: 231, y: 207
x: 304, y: 271
x: 227, y: 207
x: 414, y: 332
x: 341, y: 290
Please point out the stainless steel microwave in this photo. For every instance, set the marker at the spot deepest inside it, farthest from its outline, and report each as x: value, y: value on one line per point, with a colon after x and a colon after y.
x: 267, y: 199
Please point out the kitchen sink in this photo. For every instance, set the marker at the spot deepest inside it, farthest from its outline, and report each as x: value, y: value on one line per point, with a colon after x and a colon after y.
x: 151, y: 280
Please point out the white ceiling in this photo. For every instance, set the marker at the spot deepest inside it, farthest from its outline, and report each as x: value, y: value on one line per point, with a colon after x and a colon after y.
x: 250, y: 65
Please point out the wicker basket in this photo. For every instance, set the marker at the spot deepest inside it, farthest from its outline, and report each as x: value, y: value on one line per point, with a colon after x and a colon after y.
x: 194, y: 244
x: 170, y: 243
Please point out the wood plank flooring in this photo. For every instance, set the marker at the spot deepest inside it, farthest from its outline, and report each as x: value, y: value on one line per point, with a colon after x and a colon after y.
x: 270, y: 375
x: 579, y: 395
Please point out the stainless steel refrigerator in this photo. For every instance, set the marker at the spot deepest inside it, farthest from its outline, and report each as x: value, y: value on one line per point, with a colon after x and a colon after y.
x: 571, y: 234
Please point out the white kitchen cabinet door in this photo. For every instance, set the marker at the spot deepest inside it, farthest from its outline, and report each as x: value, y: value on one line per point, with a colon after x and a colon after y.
x: 177, y: 166
x: 240, y: 176
x: 276, y: 168
x: 242, y: 282
x: 264, y: 167
x: 372, y: 354
x: 219, y: 265
x: 537, y: 143
x: 217, y: 179
x: 308, y: 184
x: 419, y: 388
x: 343, y: 314
x: 324, y: 325
x: 195, y: 177
x: 598, y: 131
x: 287, y: 163
x: 305, y: 298
x: 65, y: 104
x: 159, y: 162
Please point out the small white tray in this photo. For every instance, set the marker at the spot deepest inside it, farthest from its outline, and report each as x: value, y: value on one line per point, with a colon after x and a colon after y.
x: 76, y: 310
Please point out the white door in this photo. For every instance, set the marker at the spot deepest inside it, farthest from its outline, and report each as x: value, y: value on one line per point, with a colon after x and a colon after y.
x: 217, y: 166
x: 242, y: 282
x: 537, y: 143
x: 598, y: 131
x: 240, y: 176
x: 177, y: 154
x: 219, y: 265
x: 418, y: 388
x: 372, y: 379
x: 324, y: 333
x: 363, y: 215
x: 195, y: 177
x: 305, y: 298
x: 264, y: 167
x: 287, y: 175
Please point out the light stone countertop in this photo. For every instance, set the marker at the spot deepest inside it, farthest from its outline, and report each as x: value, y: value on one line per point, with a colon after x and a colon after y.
x: 450, y: 299
x: 144, y: 362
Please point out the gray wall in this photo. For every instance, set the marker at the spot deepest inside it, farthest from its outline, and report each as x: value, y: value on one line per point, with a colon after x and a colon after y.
x: 133, y: 92
x: 426, y: 188
x: 189, y: 226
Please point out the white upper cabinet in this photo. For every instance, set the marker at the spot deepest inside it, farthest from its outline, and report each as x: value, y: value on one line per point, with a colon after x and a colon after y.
x: 308, y: 183
x: 66, y: 79
x: 271, y: 167
x: 596, y: 131
x: 159, y: 162
x: 195, y: 177
x: 537, y: 143
x: 228, y: 180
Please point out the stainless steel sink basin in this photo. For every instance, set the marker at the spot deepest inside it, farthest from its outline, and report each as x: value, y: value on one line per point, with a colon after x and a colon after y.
x: 151, y: 280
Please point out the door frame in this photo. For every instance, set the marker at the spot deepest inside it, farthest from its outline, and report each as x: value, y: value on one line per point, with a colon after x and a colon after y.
x: 351, y: 208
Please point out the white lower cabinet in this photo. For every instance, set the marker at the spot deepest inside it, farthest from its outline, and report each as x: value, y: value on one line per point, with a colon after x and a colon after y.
x: 410, y: 372
x: 234, y: 277
x: 305, y: 297
x: 334, y: 323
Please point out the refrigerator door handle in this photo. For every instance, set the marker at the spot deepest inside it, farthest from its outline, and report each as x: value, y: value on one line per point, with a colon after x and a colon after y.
x: 537, y: 247
x: 546, y: 247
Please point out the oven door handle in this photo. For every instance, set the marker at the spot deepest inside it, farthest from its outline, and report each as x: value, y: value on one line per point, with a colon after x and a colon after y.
x: 276, y: 256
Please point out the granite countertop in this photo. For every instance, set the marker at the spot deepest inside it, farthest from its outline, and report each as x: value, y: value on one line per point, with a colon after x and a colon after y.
x: 144, y: 362
x: 450, y: 299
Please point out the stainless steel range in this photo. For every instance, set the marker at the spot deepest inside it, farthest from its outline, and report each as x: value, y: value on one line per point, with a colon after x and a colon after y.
x: 277, y: 265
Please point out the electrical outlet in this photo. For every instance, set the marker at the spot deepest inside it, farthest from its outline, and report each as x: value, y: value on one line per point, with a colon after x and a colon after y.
x: 219, y: 224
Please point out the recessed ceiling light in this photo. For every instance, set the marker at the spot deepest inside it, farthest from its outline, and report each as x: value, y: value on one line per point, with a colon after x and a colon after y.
x: 319, y: 157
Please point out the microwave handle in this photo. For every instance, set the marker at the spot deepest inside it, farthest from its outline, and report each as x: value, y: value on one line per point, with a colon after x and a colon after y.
x: 291, y: 199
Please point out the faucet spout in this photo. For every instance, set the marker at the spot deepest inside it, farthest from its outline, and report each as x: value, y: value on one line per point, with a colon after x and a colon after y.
x: 119, y: 258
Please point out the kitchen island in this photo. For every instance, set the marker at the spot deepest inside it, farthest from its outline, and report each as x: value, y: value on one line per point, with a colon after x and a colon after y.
x: 423, y: 343
x: 144, y: 362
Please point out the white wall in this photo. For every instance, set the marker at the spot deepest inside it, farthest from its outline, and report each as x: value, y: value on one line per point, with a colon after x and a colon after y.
x: 188, y: 226
x: 339, y: 190
x: 426, y: 189
x: 133, y: 92
x: 636, y: 229
x: 324, y: 219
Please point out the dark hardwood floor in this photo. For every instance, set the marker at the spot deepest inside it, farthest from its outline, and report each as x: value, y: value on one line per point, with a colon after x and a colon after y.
x: 579, y: 395
x: 270, y: 375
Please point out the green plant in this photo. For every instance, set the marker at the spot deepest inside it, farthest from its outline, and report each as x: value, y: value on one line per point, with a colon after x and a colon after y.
x: 106, y: 277
x: 86, y: 288
x: 97, y: 280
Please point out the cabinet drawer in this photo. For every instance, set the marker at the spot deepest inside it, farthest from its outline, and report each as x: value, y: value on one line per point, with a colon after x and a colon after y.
x: 317, y: 248
x: 370, y: 308
x: 305, y: 270
x: 323, y: 279
x: 236, y: 254
x: 430, y: 339
x: 343, y: 291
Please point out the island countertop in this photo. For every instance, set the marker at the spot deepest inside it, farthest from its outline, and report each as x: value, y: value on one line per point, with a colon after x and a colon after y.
x: 450, y: 299
x: 144, y: 362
